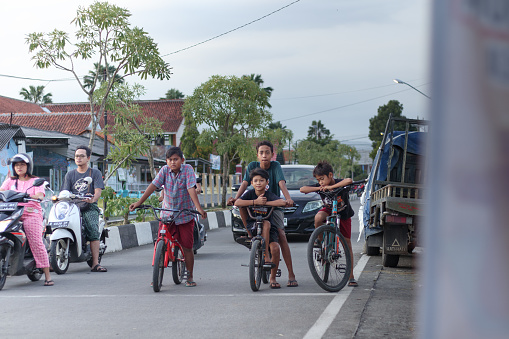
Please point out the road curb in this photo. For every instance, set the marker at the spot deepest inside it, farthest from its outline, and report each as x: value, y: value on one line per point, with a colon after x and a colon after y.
x: 132, y: 235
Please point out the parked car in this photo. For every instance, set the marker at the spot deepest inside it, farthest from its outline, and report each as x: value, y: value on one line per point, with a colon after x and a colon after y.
x: 299, y: 218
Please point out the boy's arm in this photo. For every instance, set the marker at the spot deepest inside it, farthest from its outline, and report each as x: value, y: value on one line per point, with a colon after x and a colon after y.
x: 196, y: 201
x: 277, y: 203
x: 286, y: 194
x: 150, y: 189
x: 342, y: 183
x: 242, y: 189
x: 309, y: 189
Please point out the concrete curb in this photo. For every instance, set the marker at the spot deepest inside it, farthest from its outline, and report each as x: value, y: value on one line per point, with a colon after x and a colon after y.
x: 133, y: 235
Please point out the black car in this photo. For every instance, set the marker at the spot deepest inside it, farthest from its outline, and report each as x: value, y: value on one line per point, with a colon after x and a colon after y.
x: 301, y: 217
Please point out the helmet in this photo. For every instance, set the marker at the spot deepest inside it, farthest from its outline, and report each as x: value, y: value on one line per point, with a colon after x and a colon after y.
x: 21, y: 157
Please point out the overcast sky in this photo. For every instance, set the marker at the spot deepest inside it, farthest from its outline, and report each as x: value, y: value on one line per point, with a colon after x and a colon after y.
x: 328, y: 60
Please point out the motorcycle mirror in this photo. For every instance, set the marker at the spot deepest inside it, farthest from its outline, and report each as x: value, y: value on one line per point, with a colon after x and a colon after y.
x: 39, y: 182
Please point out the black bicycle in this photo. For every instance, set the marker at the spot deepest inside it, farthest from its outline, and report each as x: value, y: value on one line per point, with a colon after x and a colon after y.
x: 329, y: 257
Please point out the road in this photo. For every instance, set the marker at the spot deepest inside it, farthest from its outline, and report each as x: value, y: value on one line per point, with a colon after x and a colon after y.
x: 121, y: 302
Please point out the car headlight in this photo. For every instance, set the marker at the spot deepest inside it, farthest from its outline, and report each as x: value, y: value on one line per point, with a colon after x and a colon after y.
x: 312, y: 205
x: 61, y: 210
x: 235, y: 211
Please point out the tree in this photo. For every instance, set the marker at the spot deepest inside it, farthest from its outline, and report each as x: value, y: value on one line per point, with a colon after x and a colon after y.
x: 132, y: 131
x: 103, y: 32
x: 257, y: 78
x: 36, y: 95
x: 378, y: 123
x: 173, y: 94
x: 232, y: 110
x: 279, y: 135
x: 318, y: 133
x: 340, y: 156
x: 100, y: 73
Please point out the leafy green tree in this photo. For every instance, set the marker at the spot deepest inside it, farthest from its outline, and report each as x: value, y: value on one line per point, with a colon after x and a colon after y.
x: 132, y: 131
x: 257, y: 78
x: 104, y: 33
x: 232, y: 110
x: 36, y: 95
x: 102, y: 75
x: 174, y: 94
x: 318, y: 133
x: 378, y: 123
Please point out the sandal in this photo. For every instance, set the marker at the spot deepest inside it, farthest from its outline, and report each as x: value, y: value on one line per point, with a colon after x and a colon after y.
x: 245, y: 241
x: 292, y: 283
x: 275, y: 285
x: 98, y: 268
x: 353, y: 283
x: 49, y: 283
x: 190, y: 283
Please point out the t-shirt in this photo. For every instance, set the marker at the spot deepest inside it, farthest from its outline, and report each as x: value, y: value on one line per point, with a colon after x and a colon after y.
x: 259, y: 210
x: 10, y: 184
x: 275, y: 175
x: 75, y: 183
x: 345, y: 197
x: 175, y: 188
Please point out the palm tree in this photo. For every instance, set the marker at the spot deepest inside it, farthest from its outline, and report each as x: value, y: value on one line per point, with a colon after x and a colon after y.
x: 318, y: 133
x: 36, y: 95
x: 173, y: 94
x: 259, y: 81
x: 88, y: 80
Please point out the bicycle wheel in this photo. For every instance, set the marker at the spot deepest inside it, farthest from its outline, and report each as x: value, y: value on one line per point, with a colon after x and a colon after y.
x: 178, y: 267
x: 329, y: 259
x: 158, y: 269
x: 256, y: 265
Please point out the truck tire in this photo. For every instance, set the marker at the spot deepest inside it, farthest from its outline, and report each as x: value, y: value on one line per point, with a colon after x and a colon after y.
x: 390, y: 260
x: 371, y: 251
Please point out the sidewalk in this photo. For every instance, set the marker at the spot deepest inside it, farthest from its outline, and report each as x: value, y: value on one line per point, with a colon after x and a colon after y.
x: 384, y: 304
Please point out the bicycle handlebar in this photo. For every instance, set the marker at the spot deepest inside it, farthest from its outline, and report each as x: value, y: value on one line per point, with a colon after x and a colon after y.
x: 336, y: 191
x: 173, y: 217
x: 271, y: 209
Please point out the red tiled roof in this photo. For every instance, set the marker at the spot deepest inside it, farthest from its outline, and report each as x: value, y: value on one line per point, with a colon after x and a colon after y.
x: 8, y: 105
x: 167, y: 111
x: 74, y: 123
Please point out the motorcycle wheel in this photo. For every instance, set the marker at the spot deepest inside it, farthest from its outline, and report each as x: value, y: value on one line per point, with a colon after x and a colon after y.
x: 57, y: 258
x: 3, y: 276
x: 35, y: 275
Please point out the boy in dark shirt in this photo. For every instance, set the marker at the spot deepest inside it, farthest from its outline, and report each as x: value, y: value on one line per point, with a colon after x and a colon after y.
x: 323, y: 172
x: 260, y: 198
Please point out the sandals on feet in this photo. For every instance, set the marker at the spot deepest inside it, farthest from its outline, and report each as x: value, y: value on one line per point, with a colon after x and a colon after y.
x: 275, y: 285
x: 190, y: 283
x: 353, y: 283
x: 292, y: 283
x: 98, y: 268
x: 49, y: 283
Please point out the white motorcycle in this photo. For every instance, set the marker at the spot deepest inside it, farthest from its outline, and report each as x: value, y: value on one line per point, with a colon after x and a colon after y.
x: 68, y: 243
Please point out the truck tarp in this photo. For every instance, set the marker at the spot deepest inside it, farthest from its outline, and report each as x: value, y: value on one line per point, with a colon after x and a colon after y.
x: 415, y: 145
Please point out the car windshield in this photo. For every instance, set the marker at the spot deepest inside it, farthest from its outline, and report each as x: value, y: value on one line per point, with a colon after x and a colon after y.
x: 298, y: 177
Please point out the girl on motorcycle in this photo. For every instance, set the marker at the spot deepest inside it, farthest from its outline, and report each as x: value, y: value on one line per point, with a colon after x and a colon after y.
x: 21, y: 179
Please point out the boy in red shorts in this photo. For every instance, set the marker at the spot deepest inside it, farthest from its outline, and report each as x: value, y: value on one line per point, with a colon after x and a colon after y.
x: 323, y: 172
x: 179, y: 184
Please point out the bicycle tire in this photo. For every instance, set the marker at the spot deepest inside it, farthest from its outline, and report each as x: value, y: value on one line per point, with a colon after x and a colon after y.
x: 256, y: 265
x: 330, y: 265
x: 178, y: 267
x: 158, y: 268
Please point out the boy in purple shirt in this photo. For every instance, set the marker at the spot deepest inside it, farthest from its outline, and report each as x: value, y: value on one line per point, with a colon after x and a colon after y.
x: 179, y: 184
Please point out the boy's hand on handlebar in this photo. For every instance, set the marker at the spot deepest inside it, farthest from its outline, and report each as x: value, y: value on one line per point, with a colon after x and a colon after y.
x: 202, y: 213
x: 134, y: 206
x: 326, y: 188
x: 289, y: 203
x: 230, y: 201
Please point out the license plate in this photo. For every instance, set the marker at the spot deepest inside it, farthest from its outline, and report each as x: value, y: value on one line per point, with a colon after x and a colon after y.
x: 8, y: 206
x: 285, y: 222
x: 58, y: 224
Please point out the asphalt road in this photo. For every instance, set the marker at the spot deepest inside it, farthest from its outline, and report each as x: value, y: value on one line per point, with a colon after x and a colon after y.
x: 121, y: 302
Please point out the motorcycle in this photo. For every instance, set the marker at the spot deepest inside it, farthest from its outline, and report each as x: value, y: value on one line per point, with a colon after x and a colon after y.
x: 200, y: 236
x: 15, y: 255
x: 68, y: 243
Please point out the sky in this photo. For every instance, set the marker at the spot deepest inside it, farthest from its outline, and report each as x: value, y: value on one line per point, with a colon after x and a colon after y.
x: 328, y: 60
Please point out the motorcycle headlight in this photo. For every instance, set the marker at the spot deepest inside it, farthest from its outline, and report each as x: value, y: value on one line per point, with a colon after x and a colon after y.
x: 61, y: 209
x: 312, y: 205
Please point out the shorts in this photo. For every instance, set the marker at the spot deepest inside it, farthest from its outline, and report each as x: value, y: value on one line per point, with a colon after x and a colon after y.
x: 273, y: 234
x: 183, y: 233
x: 277, y: 218
x: 345, y: 225
x: 90, y: 219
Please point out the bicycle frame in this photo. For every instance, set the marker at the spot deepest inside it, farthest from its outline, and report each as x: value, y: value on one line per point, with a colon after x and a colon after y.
x: 170, y: 243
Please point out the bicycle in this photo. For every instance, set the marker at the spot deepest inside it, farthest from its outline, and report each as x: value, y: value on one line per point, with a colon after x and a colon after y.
x: 259, y: 270
x: 329, y: 257
x: 167, y: 249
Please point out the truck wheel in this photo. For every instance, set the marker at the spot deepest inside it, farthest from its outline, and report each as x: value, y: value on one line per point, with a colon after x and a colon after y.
x: 371, y: 251
x: 390, y: 260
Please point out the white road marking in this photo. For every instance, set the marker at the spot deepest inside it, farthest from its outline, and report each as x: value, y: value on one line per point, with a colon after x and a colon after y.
x: 159, y: 295
x: 322, y: 324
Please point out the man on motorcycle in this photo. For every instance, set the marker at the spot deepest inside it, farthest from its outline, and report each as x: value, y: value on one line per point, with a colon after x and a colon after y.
x: 74, y: 182
x: 20, y: 180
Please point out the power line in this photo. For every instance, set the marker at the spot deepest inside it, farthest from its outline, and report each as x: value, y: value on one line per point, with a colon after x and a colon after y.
x: 25, y: 78
x: 232, y: 30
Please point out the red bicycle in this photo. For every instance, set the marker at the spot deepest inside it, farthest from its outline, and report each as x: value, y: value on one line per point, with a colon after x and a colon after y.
x: 167, y: 249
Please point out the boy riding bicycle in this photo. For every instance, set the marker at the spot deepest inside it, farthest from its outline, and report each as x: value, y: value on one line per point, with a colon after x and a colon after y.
x: 179, y: 183
x: 323, y: 172
x: 258, y: 198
